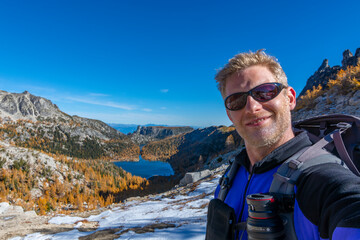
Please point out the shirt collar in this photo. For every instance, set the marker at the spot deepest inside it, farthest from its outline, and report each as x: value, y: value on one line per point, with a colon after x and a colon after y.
x: 277, y: 156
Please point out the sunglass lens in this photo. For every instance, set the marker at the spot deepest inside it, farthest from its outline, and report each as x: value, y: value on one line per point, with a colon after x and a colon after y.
x: 236, y: 101
x: 265, y: 92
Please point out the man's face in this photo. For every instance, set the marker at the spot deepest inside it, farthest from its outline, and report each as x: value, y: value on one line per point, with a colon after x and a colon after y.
x: 261, y: 124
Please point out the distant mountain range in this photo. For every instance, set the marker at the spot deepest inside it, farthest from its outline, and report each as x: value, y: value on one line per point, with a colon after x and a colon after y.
x: 131, y: 128
x: 124, y: 128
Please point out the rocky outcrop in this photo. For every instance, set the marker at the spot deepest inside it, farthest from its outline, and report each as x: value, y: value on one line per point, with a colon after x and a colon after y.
x: 192, y: 177
x: 331, y: 103
x: 144, y: 134
x: 25, y: 106
x: 199, y: 147
x: 325, y: 72
x: 102, y: 129
x: 205, y: 148
x: 343, y: 97
x: 349, y: 59
x: 222, y: 159
x: 321, y: 76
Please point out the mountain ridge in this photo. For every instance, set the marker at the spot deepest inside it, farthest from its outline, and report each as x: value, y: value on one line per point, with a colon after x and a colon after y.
x: 325, y: 72
x: 332, y: 90
x: 26, y: 106
x: 146, y: 134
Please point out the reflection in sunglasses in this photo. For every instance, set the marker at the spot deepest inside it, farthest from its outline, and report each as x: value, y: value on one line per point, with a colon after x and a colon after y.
x: 261, y: 93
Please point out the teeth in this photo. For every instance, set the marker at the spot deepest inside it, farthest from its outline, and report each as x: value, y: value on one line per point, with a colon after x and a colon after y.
x: 258, y: 120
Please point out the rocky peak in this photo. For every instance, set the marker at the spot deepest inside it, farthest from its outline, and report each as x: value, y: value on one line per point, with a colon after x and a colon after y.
x: 324, y: 66
x: 325, y: 72
x: 343, y: 97
x: 25, y: 106
x: 357, y: 53
x: 349, y: 59
x: 346, y: 55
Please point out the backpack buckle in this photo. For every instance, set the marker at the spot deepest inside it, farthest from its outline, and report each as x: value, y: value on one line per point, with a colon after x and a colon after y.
x: 294, y: 164
x: 343, y: 125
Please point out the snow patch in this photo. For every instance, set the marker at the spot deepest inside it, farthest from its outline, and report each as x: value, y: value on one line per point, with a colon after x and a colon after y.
x: 182, y: 212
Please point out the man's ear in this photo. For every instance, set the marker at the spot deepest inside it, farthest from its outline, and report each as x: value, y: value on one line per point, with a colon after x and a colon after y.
x: 291, y: 94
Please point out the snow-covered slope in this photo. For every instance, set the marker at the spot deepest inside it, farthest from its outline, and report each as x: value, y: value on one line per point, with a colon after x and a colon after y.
x: 177, y: 214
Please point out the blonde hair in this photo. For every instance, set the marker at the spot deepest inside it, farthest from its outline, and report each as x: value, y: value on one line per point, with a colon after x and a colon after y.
x: 242, y: 61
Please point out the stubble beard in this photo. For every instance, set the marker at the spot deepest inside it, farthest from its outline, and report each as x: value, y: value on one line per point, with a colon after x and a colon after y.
x: 271, y: 135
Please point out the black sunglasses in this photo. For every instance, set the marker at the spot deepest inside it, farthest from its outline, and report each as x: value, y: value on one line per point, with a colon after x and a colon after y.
x: 262, y: 93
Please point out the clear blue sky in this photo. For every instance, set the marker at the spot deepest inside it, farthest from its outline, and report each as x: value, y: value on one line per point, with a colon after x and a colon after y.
x: 154, y: 61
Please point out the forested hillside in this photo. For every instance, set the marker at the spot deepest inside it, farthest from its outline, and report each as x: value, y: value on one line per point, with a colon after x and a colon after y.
x: 53, y: 182
x: 54, y: 162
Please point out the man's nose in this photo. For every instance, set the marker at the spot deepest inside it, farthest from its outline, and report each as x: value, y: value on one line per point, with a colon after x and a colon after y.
x: 252, y: 105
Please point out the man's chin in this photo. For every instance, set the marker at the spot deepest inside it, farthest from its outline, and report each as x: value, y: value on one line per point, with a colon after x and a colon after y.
x: 261, y: 142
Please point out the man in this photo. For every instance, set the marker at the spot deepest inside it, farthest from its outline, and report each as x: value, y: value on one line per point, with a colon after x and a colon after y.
x: 258, y: 102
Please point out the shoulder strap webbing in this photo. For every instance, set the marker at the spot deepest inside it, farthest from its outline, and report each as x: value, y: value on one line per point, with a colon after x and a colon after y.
x: 288, y: 173
x: 343, y: 153
x: 227, y: 179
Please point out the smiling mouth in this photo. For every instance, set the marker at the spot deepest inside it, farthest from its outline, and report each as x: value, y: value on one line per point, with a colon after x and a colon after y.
x: 257, y: 121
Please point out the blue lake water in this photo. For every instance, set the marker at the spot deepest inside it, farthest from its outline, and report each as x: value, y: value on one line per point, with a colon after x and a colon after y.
x: 146, y: 169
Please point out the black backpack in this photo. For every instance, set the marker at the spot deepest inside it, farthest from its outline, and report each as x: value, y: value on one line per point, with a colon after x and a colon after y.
x: 337, y: 134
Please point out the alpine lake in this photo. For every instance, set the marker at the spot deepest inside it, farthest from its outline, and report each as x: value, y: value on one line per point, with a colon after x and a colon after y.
x: 146, y: 169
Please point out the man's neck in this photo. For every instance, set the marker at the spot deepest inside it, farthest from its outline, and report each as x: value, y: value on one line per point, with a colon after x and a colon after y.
x: 256, y: 153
